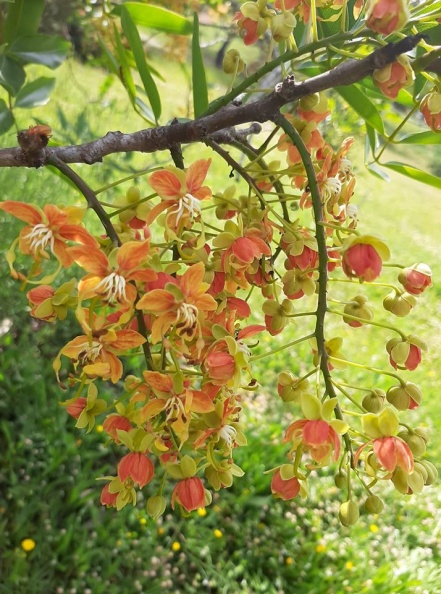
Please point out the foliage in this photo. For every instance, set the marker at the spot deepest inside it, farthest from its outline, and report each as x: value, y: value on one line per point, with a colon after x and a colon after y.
x: 174, y: 278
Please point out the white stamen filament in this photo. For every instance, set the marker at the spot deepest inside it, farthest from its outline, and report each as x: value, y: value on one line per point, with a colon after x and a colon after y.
x: 40, y: 237
x: 346, y: 165
x: 175, y: 409
x: 90, y: 352
x: 188, y: 203
x: 228, y: 433
x: 242, y: 347
x: 186, y: 320
x: 331, y: 188
x: 112, y: 288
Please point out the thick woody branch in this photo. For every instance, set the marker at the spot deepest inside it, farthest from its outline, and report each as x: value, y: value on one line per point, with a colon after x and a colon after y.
x: 165, y: 137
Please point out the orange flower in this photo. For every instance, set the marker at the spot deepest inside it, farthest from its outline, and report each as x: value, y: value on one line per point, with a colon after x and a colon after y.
x: 317, y: 436
x: 96, y: 352
x: 177, y: 406
x: 387, y: 16
x: 285, y: 489
x: 136, y: 466
x: 109, y: 277
x: 48, y: 229
x: 394, y: 77
x: 309, y: 134
x: 251, y: 19
x: 181, y: 306
x: 189, y: 493
x: 181, y: 192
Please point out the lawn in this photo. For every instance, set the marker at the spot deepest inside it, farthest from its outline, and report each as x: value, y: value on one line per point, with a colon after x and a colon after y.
x: 246, y: 542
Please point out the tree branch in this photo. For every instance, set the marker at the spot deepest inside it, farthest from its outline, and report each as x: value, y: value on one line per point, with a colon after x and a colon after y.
x: 165, y: 137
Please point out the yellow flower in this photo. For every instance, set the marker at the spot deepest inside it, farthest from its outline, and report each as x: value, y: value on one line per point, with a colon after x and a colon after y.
x: 202, y: 512
x: 176, y: 546
x: 373, y: 528
x: 349, y: 565
x: 142, y: 521
x: 320, y: 548
x: 160, y: 531
x: 217, y: 533
x: 28, y: 545
x: 99, y: 428
x: 289, y: 560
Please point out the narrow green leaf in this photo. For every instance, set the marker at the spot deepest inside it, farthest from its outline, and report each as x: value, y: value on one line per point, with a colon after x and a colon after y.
x: 47, y: 50
x: 371, y: 137
x: 23, y: 18
x: 156, y: 17
x: 137, y: 48
x: 414, y: 173
x: 12, y: 75
x: 112, y: 62
x: 6, y: 117
x: 427, y: 137
x: 362, y: 106
x: 35, y: 93
x: 200, y: 91
x: 376, y: 170
x: 124, y: 72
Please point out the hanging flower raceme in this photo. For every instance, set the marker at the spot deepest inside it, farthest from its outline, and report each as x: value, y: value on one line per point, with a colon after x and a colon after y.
x: 181, y: 192
x: 48, y: 232
x: 309, y: 133
x: 109, y: 276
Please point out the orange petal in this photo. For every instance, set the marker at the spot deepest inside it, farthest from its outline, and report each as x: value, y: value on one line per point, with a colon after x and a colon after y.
x: 157, y: 301
x: 158, y: 381
x: 192, y: 278
x: 78, y: 234
x: 166, y: 183
x: 93, y: 261
x: 196, y: 174
x: 127, y: 339
x: 55, y: 216
x: 201, y: 402
x: 132, y: 254
x: 25, y: 212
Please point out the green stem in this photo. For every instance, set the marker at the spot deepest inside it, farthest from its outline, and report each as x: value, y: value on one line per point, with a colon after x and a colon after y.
x: 366, y: 322
x: 282, y: 348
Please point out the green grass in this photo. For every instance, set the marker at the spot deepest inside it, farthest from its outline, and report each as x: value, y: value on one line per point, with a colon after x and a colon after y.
x: 265, y: 546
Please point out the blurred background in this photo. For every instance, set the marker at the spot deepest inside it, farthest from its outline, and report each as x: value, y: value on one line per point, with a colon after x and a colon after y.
x: 55, y: 538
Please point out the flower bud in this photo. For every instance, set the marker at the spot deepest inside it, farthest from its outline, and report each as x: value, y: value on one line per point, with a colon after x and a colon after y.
x: 341, y: 479
x: 349, y: 513
x: 373, y: 504
x: 400, y: 481
x: 232, y: 62
x: 415, y: 440
x: 363, y: 257
x: 133, y: 195
x: 416, y: 278
x: 373, y: 401
x: 357, y: 307
x: 156, y: 506
x: 400, y: 304
x: 405, y: 397
x: 405, y: 353
x: 394, y: 77
x: 432, y: 472
x: 430, y: 107
x: 387, y: 16
x: 282, y: 26
x: 290, y: 389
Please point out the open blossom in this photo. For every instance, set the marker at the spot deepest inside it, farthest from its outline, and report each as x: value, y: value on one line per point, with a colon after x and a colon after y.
x: 109, y: 276
x: 181, y: 306
x: 387, y: 16
x: 181, y: 193
x: 309, y: 134
x: 48, y: 230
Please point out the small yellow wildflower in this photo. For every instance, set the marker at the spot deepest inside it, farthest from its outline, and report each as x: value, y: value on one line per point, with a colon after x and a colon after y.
x: 160, y: 531
x: 28, y: 545
x: 99, y: 428
x: 217, y: 533
x: 142, y: 521
x: 289, y: 561
x: 202, y: 512
x: 176, y: 546
x: 320, y: 548
x: 349, y: 565
x: 373, y: 528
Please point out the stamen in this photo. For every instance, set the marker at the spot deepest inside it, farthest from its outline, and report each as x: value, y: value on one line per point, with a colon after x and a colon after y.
x: 186, y: 321
x: 331, y: 188
x: 90, y: 352
x: 112, y: 288
x: 228, y: 433
x: 188, y: 203
x: 40, y: 237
